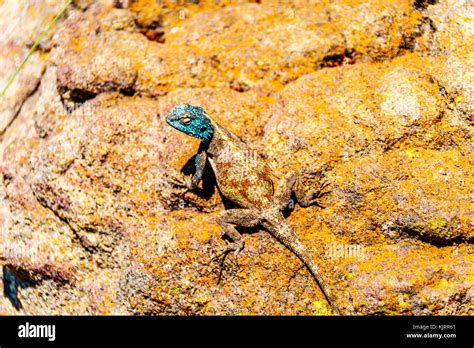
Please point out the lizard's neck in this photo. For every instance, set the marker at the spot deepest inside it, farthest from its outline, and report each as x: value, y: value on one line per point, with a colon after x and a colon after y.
x: 221, y: 139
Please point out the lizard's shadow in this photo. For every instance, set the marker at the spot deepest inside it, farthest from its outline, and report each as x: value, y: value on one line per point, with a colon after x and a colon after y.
x: 209, y: 182
x: 289, y: 209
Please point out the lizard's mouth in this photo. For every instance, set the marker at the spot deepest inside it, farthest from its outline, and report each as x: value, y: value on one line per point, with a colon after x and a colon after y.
x: 170, y: 120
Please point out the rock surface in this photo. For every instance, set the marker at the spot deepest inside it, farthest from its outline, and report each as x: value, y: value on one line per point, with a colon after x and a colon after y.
x: 19, y: 23
x: 376, y: 94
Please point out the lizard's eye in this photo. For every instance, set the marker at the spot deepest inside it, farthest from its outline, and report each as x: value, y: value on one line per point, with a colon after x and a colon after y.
x: 185, y: 120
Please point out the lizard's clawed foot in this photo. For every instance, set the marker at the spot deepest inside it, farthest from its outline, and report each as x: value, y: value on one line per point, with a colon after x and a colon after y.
x: 320, y: 189
x: 235, y: 246
x: 181, y: 181
x: 177, y: 180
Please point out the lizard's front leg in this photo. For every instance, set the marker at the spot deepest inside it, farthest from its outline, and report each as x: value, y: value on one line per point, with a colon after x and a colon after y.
x: 192, y: 182
x: 200, y: 163
x: 236, y: 217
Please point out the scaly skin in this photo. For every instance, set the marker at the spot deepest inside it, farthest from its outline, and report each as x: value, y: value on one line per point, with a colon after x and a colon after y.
x: 245, y: 178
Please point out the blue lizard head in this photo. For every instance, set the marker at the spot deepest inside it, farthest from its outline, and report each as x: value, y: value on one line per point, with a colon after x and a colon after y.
x: 191, y: 120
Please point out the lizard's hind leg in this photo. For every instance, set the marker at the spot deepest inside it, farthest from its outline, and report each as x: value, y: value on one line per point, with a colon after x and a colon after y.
x: 305, y: 198
x: 293, y: 182
x: 228, y: 220
x: 236, y: 217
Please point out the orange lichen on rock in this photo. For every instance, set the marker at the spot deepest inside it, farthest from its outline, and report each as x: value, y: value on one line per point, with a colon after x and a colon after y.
x: 358, y: 109
x: 376, y: 94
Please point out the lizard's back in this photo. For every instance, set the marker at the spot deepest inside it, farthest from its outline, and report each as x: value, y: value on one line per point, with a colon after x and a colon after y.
x: 242, y: 175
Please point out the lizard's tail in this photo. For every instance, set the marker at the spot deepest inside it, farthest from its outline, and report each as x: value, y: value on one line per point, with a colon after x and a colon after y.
x: 285, y: 234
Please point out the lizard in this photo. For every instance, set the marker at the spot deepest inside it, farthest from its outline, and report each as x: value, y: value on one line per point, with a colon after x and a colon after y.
x: 246, y: 179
